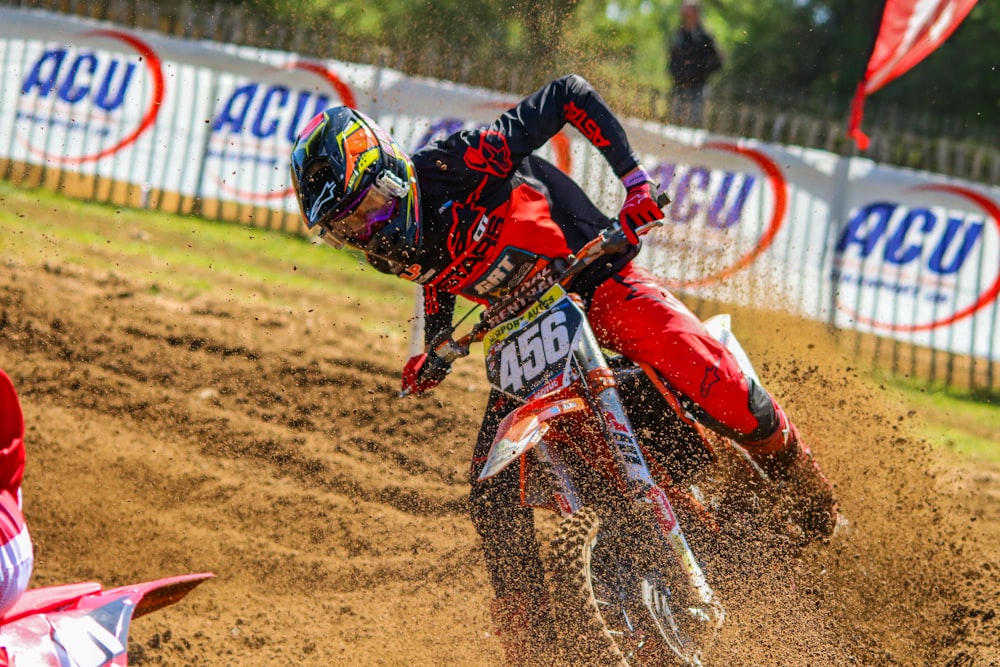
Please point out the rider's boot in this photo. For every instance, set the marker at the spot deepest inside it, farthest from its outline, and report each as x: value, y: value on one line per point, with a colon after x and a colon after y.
x: 526, y: 630
x: 787, y: 461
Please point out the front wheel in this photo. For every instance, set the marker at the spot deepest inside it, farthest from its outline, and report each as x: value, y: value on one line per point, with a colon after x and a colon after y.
x: 619, y: 601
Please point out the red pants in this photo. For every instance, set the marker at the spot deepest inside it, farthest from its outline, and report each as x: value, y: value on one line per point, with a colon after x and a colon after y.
x: 635, y: 316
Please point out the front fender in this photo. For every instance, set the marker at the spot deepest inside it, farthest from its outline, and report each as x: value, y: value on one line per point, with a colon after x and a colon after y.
x: 523, y: 428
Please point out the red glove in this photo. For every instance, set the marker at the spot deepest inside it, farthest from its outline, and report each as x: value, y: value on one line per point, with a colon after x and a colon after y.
x: 419, y: 374
x: 639, y: 208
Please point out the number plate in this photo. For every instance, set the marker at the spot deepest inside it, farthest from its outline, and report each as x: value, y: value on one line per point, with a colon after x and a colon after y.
x: 530, y: 354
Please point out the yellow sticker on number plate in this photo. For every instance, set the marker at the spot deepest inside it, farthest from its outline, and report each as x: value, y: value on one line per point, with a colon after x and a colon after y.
x: 505, y: 329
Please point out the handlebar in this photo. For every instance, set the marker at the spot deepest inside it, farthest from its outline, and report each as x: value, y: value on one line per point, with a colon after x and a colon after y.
x: 444, y: 350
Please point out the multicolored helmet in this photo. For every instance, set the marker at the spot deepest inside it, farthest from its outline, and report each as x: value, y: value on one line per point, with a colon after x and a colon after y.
x: 355, y: 183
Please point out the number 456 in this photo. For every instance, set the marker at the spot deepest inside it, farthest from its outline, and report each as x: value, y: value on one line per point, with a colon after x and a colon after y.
x: 540, y: 345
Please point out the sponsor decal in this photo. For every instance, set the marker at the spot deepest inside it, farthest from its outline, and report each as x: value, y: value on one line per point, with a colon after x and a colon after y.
x: 587, y: 126
x: 543, y: 304
x: 101, y: 100
x: 254, y: 128
x: 506, y: 273
x: 555, y: 384
x: 616, y: 425
x: 907, y: 267
x: 526, y: 294
x: 491, y: 156
x: 711, y: 233
x: 469, y: 255
x: 661, y: 507
x: 623, y: 441
x: 712, y: 377
x: 416, y: 273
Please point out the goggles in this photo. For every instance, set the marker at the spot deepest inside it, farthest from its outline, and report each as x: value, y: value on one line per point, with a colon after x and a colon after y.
x: 373, y: 207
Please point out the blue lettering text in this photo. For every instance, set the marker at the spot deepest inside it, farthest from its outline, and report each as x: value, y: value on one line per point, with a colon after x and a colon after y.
x: 234, y: 114
x: 972, y: 234
x: 105, y: 98
x: 69, y: 91
x: 717, y: 217
x: 872, y: 224
x: 867, y: 237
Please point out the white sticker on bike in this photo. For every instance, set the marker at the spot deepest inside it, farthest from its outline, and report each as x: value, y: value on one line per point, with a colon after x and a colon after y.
x: 532, y: 352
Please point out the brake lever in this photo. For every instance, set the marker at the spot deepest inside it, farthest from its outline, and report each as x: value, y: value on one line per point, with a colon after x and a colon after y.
x: 662, y: 199
x: 617, y: 237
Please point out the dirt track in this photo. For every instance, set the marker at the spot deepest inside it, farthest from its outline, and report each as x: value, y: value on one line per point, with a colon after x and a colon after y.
x: 266, y: 444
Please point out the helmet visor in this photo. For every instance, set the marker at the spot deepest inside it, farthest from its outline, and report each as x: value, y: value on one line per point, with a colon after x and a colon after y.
x: 374, y: 208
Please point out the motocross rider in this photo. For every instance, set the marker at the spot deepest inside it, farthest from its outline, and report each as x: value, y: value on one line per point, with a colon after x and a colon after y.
x: 475, y: 214
x: 16, y: 555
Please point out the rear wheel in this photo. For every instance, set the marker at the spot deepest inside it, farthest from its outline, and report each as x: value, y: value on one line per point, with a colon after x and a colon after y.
x: 619, y: 603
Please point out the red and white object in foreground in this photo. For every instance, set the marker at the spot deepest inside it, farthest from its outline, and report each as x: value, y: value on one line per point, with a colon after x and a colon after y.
x: 81, y: 625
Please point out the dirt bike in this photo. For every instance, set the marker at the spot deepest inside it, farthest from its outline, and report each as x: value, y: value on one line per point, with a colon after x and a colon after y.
x: 82, y: 625
x: 606, y: 443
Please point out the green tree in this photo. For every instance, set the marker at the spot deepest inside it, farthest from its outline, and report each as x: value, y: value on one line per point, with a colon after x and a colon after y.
x: 814, y: 53
x: 481, y: 34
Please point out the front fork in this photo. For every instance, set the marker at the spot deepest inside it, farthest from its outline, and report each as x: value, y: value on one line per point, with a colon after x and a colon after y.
x: 628, y: 456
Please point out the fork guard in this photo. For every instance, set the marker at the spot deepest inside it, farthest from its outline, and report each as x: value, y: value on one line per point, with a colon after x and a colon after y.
x: 523, y: 428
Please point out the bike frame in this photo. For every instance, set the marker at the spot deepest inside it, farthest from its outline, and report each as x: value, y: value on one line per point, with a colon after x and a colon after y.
x: 524, y: 429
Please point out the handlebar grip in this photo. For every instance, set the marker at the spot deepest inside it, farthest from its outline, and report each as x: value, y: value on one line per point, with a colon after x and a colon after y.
x: 449, y: 350
x: 435, y: 368
x: 662, y: 199
x: 430, y: 373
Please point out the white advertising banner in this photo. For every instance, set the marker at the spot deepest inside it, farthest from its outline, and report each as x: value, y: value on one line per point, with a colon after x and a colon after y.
x: 909, y: 255
x: 903, y: 254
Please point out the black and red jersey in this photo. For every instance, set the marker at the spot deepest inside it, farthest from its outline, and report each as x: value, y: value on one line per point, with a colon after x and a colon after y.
x: 493, y: 214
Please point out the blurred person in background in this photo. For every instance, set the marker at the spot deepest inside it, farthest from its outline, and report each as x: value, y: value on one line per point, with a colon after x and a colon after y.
x: 476, y: 214
x: 693, y: 59
x: 16, y: 556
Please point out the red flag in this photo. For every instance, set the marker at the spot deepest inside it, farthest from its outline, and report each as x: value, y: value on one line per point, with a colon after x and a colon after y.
x: 910, y: 31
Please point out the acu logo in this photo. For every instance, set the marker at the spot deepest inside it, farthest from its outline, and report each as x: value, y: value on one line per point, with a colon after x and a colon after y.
x: 906, y: 234
x: 80, y: 77
x: 91, y: 78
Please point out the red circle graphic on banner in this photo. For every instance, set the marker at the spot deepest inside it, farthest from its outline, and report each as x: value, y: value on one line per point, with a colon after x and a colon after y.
x: 346, y: 96
x: 343, y: 90
x: 779, y: 188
